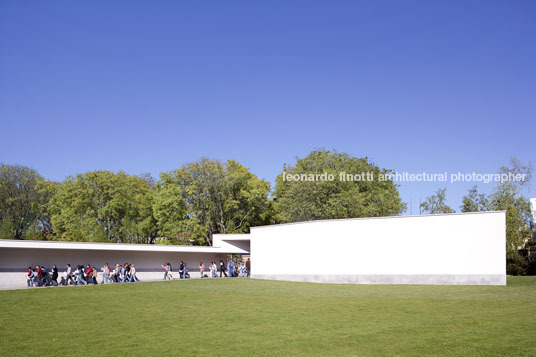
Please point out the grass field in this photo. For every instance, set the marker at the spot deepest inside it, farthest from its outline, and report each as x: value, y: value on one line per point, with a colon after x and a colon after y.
x: 254, y: 317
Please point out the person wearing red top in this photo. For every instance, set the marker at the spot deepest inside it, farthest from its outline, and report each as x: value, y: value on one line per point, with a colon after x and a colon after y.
x: 30, y: 277
x: 88, y: 273
x: 38, y: 275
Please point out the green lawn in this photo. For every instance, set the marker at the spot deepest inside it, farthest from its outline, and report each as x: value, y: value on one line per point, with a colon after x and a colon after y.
x: 254, y: 317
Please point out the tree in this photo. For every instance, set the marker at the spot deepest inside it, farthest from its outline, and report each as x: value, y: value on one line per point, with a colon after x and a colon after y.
x: 436, y: 203
x: 508, y: 196
x: 323, y: 198
x: 24, y: 197
x: 104, y: 206
x: 218, y: 198
x: 474, y: 201
x: 170, y: 213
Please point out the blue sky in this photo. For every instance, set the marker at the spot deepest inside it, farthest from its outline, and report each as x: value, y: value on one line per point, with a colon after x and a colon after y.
x: 145, y: 86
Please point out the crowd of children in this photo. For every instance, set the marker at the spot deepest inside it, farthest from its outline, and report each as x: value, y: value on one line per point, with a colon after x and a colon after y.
x: 124, y: 273
x: 40, y: 276
x: 241, y: 269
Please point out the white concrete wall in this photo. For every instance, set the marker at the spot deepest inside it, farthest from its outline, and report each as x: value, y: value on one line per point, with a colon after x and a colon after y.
x: 433, y: 249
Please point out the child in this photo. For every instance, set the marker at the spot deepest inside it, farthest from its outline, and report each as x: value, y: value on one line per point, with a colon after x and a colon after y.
x: 201, y: 268
x: 30, y: 277
x: 94, y: 276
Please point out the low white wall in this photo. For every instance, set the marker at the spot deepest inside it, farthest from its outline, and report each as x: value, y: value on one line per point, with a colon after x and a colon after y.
x: 434, y: 249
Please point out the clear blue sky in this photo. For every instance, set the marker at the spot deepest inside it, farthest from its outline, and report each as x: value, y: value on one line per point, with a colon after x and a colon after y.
x: 145, y: 86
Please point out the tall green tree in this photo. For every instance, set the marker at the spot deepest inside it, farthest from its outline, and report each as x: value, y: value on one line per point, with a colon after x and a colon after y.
x: 436, y: 203
x: 321, y: 198
x: 24, y: 197
x: 170, y: 213
x: 508, y: 196
x: 474, y: 201
x: 104, y: 206
x: 217, y: 197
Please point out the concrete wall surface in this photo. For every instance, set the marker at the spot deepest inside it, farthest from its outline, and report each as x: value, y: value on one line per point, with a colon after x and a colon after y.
x: 467, y: 248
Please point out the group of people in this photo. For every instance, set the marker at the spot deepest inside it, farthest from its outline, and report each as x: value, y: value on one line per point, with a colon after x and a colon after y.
x: 241, y: 269
x: 40, y: 276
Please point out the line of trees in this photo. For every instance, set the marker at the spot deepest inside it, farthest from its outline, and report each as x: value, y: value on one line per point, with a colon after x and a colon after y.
x: 190, y: 204
x: 187, y: 205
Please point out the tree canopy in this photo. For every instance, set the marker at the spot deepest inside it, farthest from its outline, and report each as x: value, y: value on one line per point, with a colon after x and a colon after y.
x: 24, y: 197
x: 216, y: 197
x: 298, y: 200
x: 190, y: 204
x: 436, y: 203
x: 104, y: 206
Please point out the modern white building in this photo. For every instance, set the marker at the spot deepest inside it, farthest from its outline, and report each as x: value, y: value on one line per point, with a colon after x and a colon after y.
x: 463, y: 248
x: 468, y: 248
x: 17, y: 255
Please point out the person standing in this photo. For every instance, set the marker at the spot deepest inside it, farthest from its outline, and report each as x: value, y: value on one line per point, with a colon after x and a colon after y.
x: 127, y: 273
x: 80, y: 276
x: 54, y: 278
x: 69, y: 275
x: 133, y: 277
x: 94, y: 275
x: 30, y: 277
x: 213, y: 270
x: 242, y: 270
x: 38, y: 274
x: 185, y: 274
x: 231, y: 268
x: 222, y: 269
x: 166, y: 270
x: 88, y: 274
x: 106, y: 274
x: 248, y: 267
x: 181, y: 269
x: 201, y: 268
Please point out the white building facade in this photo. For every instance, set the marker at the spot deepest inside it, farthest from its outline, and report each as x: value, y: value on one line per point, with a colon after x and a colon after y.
x: 468, y: 248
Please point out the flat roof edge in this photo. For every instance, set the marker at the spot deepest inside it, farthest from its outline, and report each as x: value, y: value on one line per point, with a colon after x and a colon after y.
x: 382, y: 217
